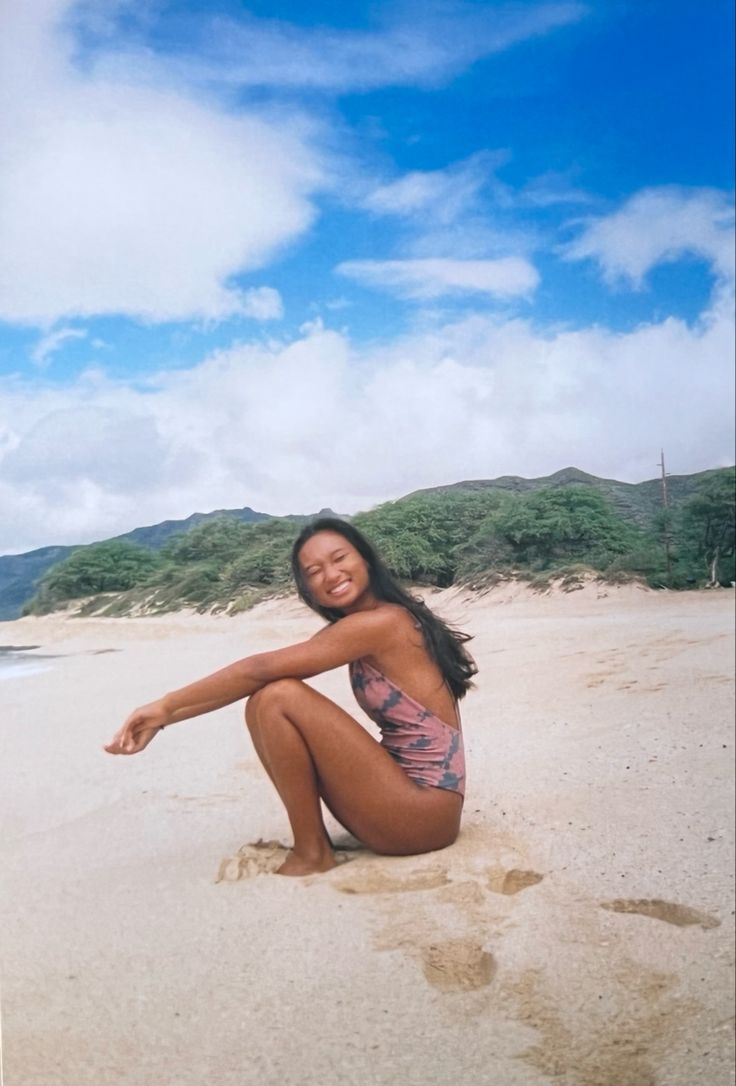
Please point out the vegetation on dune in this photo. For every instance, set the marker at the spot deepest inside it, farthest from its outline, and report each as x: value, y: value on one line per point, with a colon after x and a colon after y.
x: 546, y: 529
x: 224, y: 561
x: 220, y: 563
x: 708, y: 530
x: 470, y: 535
x: 104, y: 567
x: 419, y: 537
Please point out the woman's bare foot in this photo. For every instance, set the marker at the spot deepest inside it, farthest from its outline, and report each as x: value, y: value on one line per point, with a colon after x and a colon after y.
x: 297, y: 864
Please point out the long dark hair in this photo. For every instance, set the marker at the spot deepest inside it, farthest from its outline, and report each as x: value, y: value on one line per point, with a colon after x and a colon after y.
x: 444, y: 644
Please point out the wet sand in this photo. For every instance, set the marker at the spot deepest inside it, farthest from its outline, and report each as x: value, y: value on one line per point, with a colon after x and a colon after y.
x: 579, y: 932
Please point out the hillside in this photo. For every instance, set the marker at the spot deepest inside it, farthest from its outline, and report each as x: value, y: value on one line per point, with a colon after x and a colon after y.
x: 637, y: 502
x: 468, y: 531
x: 21, y: 573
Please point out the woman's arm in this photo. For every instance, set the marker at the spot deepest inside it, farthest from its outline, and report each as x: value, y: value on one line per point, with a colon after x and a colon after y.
x: 353, y: 636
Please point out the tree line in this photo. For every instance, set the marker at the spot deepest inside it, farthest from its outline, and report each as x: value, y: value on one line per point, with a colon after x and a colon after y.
x: 456, y: 536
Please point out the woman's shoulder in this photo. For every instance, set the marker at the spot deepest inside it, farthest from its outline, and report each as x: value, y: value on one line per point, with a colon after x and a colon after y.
x: 400, y: 633
x: 383, y: 613
x: 397, y: 617
x: 383, y: 620
x: 390, y: 622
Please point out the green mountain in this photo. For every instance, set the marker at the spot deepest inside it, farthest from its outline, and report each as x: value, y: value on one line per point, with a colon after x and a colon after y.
x: 635, y: 502
x: 471, y: 531
x: 21, y: 573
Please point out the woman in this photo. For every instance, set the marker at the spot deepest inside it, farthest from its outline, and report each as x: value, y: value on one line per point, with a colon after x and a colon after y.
x: 408, y: 670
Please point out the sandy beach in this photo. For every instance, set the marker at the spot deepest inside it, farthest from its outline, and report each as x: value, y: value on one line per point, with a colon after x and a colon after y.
x: 579, y: 932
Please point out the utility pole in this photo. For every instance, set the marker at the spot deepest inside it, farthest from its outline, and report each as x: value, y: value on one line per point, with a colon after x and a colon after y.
x: 665, y: 506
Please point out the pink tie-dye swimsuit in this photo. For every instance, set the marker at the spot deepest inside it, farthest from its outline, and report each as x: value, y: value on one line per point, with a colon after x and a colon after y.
x: 428, y: 750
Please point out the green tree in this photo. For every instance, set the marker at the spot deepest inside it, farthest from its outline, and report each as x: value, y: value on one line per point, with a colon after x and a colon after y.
x: 265, y: 557
x: 418, y: 537
x: 113, y: 566
x: 221, y: 538
x: 545, y: 528
x: 221, y: 559
x: 708, y: 529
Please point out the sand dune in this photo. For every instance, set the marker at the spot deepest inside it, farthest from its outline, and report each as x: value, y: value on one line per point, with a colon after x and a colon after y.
x: 579, y: 932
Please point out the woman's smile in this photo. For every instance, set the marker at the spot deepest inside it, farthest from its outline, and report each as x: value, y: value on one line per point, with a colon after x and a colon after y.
x: 340, y: 588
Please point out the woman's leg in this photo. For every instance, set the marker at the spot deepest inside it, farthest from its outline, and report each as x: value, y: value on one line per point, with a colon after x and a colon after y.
x: 311, y: 748
x: 287, y: 760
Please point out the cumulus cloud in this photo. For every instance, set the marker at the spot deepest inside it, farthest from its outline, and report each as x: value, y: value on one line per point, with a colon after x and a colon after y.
x: 120, y: 196
x: 507, y: 277
x: 296, y: 426
x: 660, y: 225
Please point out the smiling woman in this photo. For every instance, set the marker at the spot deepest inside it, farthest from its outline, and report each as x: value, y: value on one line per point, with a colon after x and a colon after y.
x: 408, y: 670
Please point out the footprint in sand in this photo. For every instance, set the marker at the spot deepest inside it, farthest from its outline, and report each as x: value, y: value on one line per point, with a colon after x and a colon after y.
x: 469, y: 895
x: 682, y: 916
x: 458, y: 966
x: 378, y: 882
x: 513, y: 881
x: 260, y: 858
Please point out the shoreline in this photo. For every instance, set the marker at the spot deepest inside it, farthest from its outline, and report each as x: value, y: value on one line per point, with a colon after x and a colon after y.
x: 15, y: 663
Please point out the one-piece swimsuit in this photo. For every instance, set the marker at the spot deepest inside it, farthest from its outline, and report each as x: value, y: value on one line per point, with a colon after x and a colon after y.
x: 429, y: 751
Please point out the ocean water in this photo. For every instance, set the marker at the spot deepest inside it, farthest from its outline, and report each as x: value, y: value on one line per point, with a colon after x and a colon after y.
x: 16, y: 663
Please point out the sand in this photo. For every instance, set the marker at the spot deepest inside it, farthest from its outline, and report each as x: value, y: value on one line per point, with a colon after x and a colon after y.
x: 580, y: 931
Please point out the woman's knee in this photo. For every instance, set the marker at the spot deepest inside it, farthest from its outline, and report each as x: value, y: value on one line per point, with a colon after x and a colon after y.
x: 272, y: 696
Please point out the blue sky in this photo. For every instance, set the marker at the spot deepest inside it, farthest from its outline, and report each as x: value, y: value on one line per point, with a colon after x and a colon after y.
x: 291, y: 256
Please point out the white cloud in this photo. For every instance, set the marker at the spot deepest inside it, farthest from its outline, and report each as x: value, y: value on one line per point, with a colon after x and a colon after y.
x: 660, y: 225
x: 446, y: 193
x: 411, y: 193
x: 263, y: 304
x: 415, y: 44
x: 294, y: 427
x: 507, y: 277
x: 461, y: 212
x: 552, y: 189
x: 53, y: 342
x: 121, y: 196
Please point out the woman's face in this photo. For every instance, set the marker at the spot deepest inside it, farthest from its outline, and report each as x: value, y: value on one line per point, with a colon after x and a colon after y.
x: 335, y: 574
